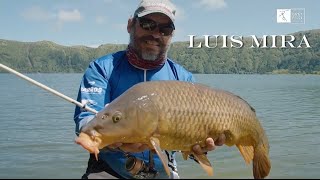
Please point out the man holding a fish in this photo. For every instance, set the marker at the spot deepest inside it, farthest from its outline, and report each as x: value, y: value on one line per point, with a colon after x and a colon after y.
x: 151, y: 29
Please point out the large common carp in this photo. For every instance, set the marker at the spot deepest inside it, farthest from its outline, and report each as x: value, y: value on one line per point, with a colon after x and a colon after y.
x: 175, y: 115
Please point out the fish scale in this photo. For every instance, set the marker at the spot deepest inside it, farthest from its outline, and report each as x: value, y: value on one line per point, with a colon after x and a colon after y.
x: 176, y: 115
x: 197, y: 108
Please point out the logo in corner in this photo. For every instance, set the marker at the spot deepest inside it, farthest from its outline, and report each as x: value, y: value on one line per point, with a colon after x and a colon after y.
x: 293, y: 15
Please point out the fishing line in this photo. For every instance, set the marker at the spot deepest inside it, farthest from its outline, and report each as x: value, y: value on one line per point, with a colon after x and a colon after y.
x: 48, y: 89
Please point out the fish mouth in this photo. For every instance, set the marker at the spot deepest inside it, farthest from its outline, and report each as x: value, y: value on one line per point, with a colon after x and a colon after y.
x: 90, y: 143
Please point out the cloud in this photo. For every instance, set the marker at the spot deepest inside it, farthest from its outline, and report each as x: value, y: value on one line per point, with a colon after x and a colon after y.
x: 57, y: 17
x: 101, y: 20
x: 69, y: 16
x: 36, y: 13
x: 213, y: 4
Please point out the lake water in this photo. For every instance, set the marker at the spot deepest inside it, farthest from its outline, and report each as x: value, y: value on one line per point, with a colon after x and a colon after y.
x: 37, y: 127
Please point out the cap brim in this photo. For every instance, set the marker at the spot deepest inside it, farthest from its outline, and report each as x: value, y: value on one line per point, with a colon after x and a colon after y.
x: 146, y: 12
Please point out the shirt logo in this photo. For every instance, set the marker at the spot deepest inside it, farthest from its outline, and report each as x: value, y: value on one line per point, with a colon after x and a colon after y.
x: 92, y: 83
x: 91, y: 90
x: 88, y: 102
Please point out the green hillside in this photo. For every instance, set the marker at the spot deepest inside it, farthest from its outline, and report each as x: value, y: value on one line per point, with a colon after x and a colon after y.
x: 48, y: 57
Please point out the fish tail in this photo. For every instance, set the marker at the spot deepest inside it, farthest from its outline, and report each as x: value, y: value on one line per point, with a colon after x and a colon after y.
x: 261, y: 161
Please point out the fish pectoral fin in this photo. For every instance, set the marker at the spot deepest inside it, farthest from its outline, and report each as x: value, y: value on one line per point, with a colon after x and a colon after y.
x: 247, y: 152
x: 156, y: 144
x: 205, y: 163
x: 185, y: 154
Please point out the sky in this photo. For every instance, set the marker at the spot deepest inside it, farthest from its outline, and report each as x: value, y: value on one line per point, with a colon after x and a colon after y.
x: 96, y: 22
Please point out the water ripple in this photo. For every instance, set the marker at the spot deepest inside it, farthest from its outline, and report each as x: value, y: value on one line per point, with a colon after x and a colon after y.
x: 37, y: 128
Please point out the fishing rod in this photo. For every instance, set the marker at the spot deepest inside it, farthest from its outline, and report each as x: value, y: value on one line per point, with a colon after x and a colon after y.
x: 48, y: 89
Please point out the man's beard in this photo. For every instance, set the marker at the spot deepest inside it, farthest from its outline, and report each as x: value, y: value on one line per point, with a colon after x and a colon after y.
x: 146, y: 55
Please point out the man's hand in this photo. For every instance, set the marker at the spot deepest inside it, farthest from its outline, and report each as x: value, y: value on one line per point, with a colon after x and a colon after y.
x: 139, y: 147
x: 210, y: 145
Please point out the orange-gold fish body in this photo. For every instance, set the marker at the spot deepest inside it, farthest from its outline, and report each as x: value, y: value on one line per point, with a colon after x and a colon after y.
x: 175, y: 115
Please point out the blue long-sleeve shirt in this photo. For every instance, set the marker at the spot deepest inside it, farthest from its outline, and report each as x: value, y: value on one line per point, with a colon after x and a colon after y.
x: 108, y: 77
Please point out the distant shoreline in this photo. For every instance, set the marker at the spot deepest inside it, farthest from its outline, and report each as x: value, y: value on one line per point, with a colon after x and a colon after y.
x: 286, y: 71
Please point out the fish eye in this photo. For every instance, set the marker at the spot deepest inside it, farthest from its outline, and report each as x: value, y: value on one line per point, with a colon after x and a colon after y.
x: 116, y: 117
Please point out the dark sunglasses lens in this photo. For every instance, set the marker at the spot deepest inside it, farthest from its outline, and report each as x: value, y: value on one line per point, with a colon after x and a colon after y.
x: 166, y: 31
x: 150, y: 25
x: 147, y: 24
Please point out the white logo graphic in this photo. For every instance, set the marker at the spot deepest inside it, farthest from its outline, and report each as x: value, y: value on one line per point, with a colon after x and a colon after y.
x: 88, y: 102
x: 91, y: 90
x: 283, y: 15
x: 92, y: 83
x: 293, y: 15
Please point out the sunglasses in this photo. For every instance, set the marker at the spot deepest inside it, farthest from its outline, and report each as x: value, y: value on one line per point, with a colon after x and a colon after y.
x: 151, y: 25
